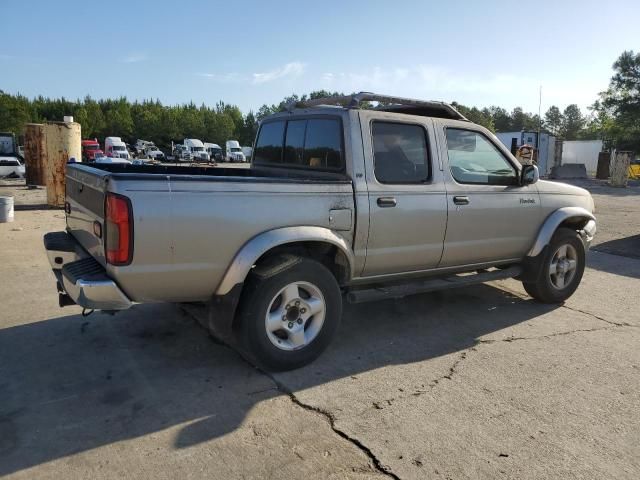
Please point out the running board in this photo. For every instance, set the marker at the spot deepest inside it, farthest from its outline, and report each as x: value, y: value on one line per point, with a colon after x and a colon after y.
x: 431, y: 285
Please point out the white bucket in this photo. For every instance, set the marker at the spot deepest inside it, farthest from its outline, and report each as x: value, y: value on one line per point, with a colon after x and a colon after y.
x: 6, y: 209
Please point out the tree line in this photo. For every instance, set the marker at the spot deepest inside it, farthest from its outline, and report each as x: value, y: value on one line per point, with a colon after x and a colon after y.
x: 614, y: 117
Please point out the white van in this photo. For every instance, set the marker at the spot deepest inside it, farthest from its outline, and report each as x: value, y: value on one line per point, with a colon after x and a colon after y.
x: 233, y: 152
x: 114, y: 147
x: 196, y: 148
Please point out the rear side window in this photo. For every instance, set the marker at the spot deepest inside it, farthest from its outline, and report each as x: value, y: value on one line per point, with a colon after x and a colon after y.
x: 400, y: 153
x: 312, y: 143
x: 269, y: 143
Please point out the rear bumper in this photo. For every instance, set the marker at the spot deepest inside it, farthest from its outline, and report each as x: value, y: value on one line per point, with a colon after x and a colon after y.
x: 80, y: 276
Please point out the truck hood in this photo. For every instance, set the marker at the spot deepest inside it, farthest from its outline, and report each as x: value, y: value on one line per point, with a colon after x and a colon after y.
x: 580, y: 196
x: 545, y: 186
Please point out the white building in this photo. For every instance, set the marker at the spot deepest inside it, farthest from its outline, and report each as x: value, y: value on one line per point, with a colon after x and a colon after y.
x: 582, y: 151
x: 546, y: 147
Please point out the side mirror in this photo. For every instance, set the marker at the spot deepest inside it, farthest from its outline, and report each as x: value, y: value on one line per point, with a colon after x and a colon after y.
x: 529, y: 175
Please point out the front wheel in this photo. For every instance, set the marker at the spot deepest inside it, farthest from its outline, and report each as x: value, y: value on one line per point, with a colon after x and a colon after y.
x: 290, y: 313
x: 562, y: 268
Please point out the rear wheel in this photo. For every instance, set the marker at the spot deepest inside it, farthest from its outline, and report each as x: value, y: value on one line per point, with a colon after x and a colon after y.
x: 562, y: 268
x: 290, y: 314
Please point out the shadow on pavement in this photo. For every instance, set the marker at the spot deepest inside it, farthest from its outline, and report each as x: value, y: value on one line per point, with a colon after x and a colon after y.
x: 72, y: 384
x: 625, y: 247
x: 616, y: 264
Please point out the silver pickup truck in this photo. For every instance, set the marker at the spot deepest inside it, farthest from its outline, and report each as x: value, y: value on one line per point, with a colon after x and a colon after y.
x: 340, y: 202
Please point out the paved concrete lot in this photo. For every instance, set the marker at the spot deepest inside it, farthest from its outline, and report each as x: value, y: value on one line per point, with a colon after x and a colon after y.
x: 481, y: 382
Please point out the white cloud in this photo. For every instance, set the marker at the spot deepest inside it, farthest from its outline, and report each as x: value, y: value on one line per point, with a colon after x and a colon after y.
x: 291, y: 70
x: 224, y: 77
x: 134, y: 58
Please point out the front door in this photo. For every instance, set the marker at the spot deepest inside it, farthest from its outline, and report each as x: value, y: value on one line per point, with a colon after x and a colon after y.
x: 491, y: 216
x: 407, y: 198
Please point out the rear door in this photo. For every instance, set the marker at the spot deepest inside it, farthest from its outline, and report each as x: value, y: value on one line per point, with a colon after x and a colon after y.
x: 407, y: 198
x: 491, y: 216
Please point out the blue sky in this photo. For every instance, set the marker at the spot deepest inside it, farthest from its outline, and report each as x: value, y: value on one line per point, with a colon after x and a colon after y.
x: 249, y: 53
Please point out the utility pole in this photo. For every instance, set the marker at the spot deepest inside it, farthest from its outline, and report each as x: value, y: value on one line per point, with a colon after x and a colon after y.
x: 539, y: 120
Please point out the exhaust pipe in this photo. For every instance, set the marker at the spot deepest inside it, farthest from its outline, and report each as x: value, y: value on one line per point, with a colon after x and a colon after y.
x: 65, y: 300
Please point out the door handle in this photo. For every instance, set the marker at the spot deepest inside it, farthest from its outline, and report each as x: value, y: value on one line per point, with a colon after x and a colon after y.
x: 386, y: 202
x: 461, y: 200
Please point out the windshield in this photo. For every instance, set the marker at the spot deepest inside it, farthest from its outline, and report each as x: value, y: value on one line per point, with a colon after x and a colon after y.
x: 197, y: 149
x: 236, y: 149
x: 119, y: 148
x: 91, y: 147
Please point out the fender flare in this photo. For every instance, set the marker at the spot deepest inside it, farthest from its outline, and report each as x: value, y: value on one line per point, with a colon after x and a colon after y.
x: 262, y: 243
x: 553, y: 221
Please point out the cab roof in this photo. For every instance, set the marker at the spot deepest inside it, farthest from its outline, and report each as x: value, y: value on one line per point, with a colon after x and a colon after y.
x: 386, y: 103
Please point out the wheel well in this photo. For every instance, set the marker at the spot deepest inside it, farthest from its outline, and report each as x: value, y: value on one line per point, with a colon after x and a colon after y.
x: 574, y: 223
x: 329, y: 255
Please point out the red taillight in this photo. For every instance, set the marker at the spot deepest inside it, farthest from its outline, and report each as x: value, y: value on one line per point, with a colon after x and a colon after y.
x: 118, y: 230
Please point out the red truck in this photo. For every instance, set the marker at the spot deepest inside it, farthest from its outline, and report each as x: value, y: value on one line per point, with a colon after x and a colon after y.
x: 90, y: 148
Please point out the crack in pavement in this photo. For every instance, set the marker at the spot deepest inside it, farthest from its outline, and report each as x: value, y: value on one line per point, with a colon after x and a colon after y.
x: 375, y: 462
x: 454, y: 369
x: 573, y: 309
x: 378, y: 465
x: 597, y: 317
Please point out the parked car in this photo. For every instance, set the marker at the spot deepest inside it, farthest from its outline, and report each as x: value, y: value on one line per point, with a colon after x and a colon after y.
x: 103, y: 160
x: 339, y: 202
x: 214, y: 151
x: 11, y: 166
x: 233, y: 152
x: 89, y: 149
x: 114, y: 147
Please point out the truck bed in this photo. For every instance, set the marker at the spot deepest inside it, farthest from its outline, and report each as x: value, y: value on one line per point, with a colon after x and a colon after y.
x: 189, y: 222
x: 218, y: 173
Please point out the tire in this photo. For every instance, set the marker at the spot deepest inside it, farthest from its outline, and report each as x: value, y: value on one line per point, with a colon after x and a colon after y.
x: 565, y: 247
x: 290, y: 313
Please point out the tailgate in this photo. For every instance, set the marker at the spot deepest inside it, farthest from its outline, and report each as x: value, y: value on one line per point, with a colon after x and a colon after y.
x: 85, y: 195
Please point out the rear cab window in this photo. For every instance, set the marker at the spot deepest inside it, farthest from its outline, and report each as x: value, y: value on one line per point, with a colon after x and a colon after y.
x: 400, y: 153
x: 311, y: 143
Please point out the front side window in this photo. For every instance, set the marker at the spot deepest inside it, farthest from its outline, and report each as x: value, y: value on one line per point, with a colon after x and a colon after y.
x: 306, y: 143
x: 400, y: 153
x: 475, y: 160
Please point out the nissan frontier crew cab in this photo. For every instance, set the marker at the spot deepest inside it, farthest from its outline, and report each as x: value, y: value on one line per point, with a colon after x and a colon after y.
x: 340, y: 203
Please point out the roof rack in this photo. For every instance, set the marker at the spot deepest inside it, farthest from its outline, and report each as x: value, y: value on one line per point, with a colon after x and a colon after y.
x: 387, y: 104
